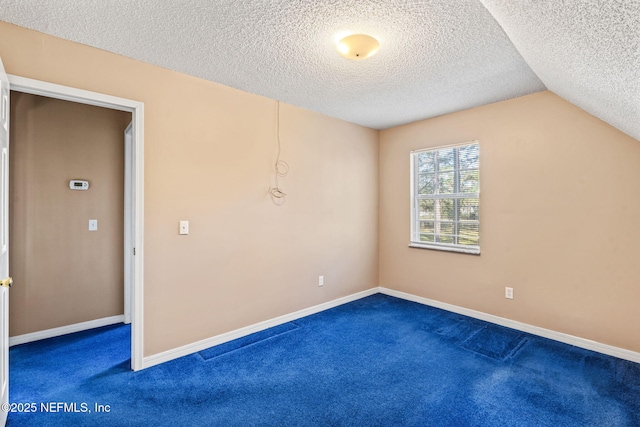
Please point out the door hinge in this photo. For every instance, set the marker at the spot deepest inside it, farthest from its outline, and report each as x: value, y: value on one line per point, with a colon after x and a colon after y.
x: 134, y: 251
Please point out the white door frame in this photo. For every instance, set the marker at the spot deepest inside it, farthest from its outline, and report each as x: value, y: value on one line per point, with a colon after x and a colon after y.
x: 4, y: 242
x: 136, y: 108
x: 128, y: 221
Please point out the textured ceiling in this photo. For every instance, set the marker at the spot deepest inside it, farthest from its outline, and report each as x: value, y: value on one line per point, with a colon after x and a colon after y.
x: 436, y: 56
x: 587, y: 51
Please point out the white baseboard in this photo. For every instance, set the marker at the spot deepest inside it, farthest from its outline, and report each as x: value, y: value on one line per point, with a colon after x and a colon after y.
x: 63, y: 330
x: 524, y: 327
x: 195, y: 347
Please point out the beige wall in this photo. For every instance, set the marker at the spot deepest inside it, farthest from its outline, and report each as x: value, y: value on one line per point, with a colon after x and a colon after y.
x: 63, y: 273
x: 559, y: 219
x: 209, y: 151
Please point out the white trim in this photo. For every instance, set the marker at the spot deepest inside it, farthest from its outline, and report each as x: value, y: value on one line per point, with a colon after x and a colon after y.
x: 128, y: 221
x: 535, y: 330
x: 137, y: 300
x: 37, y: 87
x: 239, y: 333
x: 472, y: 250
x: 67, y: 93
x: 524, y: 327
x: 63, y: 330
x: 438, y: 147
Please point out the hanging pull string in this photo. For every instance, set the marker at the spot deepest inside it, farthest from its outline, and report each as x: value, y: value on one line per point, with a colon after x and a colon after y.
x: 281, y: 168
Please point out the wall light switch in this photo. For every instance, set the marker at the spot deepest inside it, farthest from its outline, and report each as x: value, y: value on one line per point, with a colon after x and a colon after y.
x: 184, y: 227
x: 93, y: 225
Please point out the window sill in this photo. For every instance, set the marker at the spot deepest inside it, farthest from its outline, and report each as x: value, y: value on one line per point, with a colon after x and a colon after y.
x: 468, y: 251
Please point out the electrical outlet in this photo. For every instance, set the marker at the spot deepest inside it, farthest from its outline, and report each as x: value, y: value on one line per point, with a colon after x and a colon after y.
x: 93, y: 225
x: 184, y: 227
x: 320, y: 280
x: 508, y: 293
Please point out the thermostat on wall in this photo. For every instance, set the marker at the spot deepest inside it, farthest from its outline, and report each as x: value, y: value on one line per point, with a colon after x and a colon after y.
x: 78, y: 184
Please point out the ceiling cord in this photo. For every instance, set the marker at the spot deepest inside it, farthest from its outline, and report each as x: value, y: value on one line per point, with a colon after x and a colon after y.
x: 281, y: 168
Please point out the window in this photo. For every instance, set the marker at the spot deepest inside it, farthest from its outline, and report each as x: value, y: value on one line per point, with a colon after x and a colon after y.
x: 445, y: 197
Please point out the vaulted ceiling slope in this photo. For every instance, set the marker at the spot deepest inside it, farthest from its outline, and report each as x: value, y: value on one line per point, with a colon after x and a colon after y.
x: 436, y: 57
x: 587, y: 51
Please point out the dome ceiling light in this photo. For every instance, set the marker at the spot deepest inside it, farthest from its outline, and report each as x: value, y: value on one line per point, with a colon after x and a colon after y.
x: 358, y: 46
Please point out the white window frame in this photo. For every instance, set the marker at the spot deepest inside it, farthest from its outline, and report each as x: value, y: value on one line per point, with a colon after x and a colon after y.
x: 452, y: 247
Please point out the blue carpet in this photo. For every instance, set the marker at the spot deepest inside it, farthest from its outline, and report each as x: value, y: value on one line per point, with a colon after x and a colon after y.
x: 378, y: 361
x: 495, y: 341
x: 230, y: 346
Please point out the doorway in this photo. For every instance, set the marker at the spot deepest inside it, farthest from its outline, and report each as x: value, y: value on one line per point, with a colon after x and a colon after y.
x: 66, y: 214
x: 133, y: 218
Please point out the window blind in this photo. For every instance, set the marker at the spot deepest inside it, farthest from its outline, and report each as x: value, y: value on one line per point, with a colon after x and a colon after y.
x: 446, y: 198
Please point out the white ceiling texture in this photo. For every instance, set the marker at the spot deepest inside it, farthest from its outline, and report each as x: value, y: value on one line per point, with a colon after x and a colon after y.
x: 436, y: 56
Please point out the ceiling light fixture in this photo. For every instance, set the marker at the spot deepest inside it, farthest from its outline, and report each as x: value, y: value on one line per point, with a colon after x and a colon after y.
x: 358, y: 46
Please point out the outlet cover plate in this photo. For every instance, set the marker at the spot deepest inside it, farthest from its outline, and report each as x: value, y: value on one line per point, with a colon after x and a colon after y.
x: 508, y: 293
